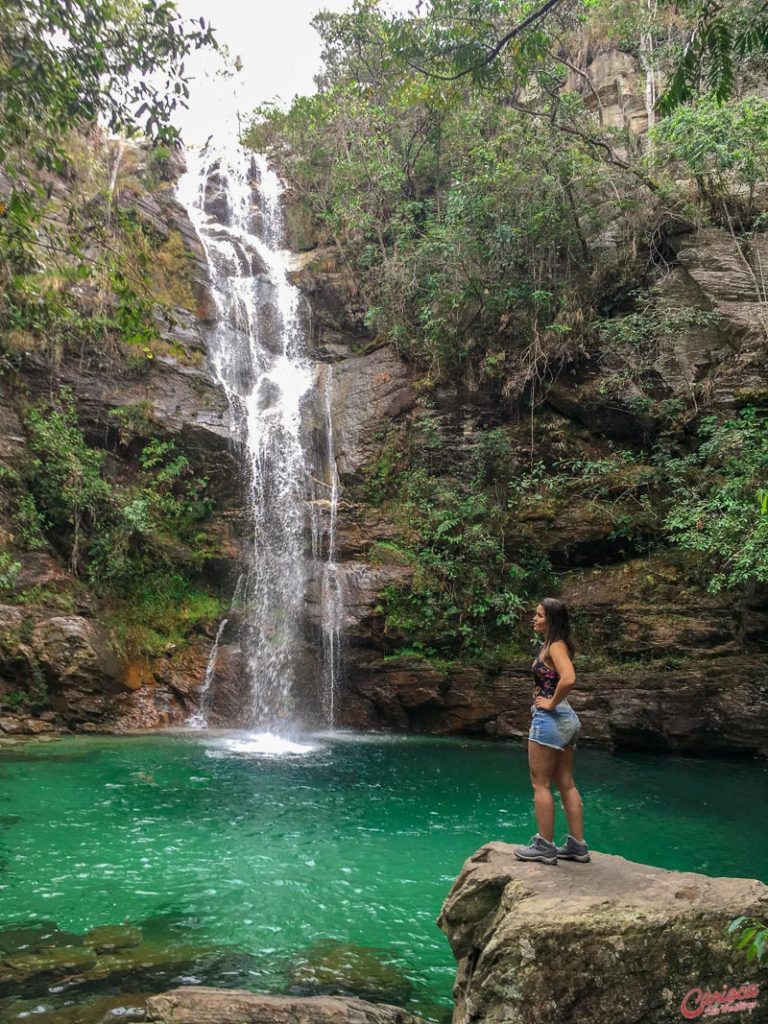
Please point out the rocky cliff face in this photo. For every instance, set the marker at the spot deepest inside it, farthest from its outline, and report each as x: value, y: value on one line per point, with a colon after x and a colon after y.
x: 663, y: 665
x: 598, y: 942
x: 62, y: 662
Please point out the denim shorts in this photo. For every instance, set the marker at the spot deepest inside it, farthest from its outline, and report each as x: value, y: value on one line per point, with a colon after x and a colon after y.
x: 559, y: 728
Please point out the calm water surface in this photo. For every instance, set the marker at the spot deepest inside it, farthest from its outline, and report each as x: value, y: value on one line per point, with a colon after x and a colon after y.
x: 319, y: 856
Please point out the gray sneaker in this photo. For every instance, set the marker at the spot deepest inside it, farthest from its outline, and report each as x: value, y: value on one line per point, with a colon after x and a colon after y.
x: 573, y: 850
x: 538, y: 849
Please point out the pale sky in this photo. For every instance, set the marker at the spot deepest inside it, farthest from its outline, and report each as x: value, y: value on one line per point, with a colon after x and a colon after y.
x: 279, y: 50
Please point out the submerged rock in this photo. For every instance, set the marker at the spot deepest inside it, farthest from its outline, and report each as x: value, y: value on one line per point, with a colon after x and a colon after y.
x: 110, y: 938
x: 37, y: 959
x: 217, y: 1006
x: 600, y: 942
x: 341, y: 968
x: 31, y: 973
x: 64, y: 1010
x: 30, y: 937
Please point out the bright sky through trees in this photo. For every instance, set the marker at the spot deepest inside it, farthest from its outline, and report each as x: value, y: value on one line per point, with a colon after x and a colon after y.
x: 278, y: 49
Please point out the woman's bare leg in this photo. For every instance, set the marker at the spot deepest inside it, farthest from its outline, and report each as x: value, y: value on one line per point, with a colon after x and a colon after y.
x: 543, y: 762
x: 563, y: 777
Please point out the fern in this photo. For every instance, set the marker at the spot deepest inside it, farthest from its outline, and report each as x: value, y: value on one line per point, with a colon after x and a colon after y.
x: 709, y: 55
x: 718, y: 43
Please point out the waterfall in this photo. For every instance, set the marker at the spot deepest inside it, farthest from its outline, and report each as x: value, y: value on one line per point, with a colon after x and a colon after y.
x: 257, y: 349
x: 330, y: 594
x: 200, y: 719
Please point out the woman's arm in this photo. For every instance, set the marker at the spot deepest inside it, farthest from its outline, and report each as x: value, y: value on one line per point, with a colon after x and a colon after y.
x: 558, y: 652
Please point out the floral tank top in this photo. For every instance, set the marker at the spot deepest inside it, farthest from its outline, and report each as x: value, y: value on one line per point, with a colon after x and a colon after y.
x: 545, y: 679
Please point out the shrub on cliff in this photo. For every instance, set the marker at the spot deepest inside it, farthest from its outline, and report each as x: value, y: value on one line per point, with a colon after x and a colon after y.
x: 723, y: 148
x: 718, y: 500
x: 66, y: 72
x: 140, y: 540
x: 473, y: 572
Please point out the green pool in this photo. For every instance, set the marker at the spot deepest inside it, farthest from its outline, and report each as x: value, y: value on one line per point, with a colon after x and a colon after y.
x: 310, y: 869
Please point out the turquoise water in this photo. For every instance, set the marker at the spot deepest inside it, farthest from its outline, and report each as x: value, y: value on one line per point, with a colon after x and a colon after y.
x: 307, y: 861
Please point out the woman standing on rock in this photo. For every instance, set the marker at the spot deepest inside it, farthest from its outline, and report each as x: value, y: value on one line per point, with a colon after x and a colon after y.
x: 552, y: 739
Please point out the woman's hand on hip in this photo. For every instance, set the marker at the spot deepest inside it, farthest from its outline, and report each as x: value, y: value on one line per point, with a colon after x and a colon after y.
x: 544, y: 703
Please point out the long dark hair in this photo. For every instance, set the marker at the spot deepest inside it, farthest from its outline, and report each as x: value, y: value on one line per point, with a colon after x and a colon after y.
x: 558, y: 626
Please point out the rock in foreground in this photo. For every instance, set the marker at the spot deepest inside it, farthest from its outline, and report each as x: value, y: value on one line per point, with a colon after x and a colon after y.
x: 220, y: 1006
x: 595, y: 943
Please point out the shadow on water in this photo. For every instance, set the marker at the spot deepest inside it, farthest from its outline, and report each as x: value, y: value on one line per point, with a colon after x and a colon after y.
x: 37, y: 752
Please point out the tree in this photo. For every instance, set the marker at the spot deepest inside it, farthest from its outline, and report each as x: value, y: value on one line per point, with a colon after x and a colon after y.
x: 459, y: 39
x: 456, y: 38
x: 64, y: 66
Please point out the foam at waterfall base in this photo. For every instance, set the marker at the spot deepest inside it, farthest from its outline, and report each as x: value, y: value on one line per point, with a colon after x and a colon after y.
x: 262, y: 744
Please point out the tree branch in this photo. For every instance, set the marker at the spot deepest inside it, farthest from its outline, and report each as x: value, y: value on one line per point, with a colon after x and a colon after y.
x: 496, y: 50
x: 568, y: 130
x: 582, y: 74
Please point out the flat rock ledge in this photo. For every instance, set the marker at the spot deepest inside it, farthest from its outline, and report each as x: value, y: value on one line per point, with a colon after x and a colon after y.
x: 597, y: 943
x: 199, y: 1005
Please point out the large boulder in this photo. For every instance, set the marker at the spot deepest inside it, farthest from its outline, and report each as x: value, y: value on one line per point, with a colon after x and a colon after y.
x: 221, y: 1006
x: 595, y: 943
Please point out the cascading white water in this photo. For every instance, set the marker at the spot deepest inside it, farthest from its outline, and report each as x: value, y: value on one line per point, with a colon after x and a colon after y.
x: 330, y: 595
x: 200, y: 719
x: 257, y: 349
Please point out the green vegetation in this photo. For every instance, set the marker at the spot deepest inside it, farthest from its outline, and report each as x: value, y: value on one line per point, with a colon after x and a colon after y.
x: 64, y: 67
x: 718, y: 501
x: 9, y: 571
x: 473, y: 573
x: 83, y: 276
x: 721, y: 36
x: 501, y: 233
x: 76, y: 270
x: 465, y: 221
x: 487, y: 41
x: 472, y: 523
x: 157, y: 611
x: 64, y: 477
x: 141, y: 545
x: 722, y: 147
x: 472, y: 221
x: 474, y: 568
x: 751, y: 936
x: 473, y: 520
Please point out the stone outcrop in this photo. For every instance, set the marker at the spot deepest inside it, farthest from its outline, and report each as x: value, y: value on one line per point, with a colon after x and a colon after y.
x: 724, y: 274
x: 613, y: 89
x: 366, y: 391
x: 217, y: 1006
x: 600, y: 942
x: 337, y: 308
